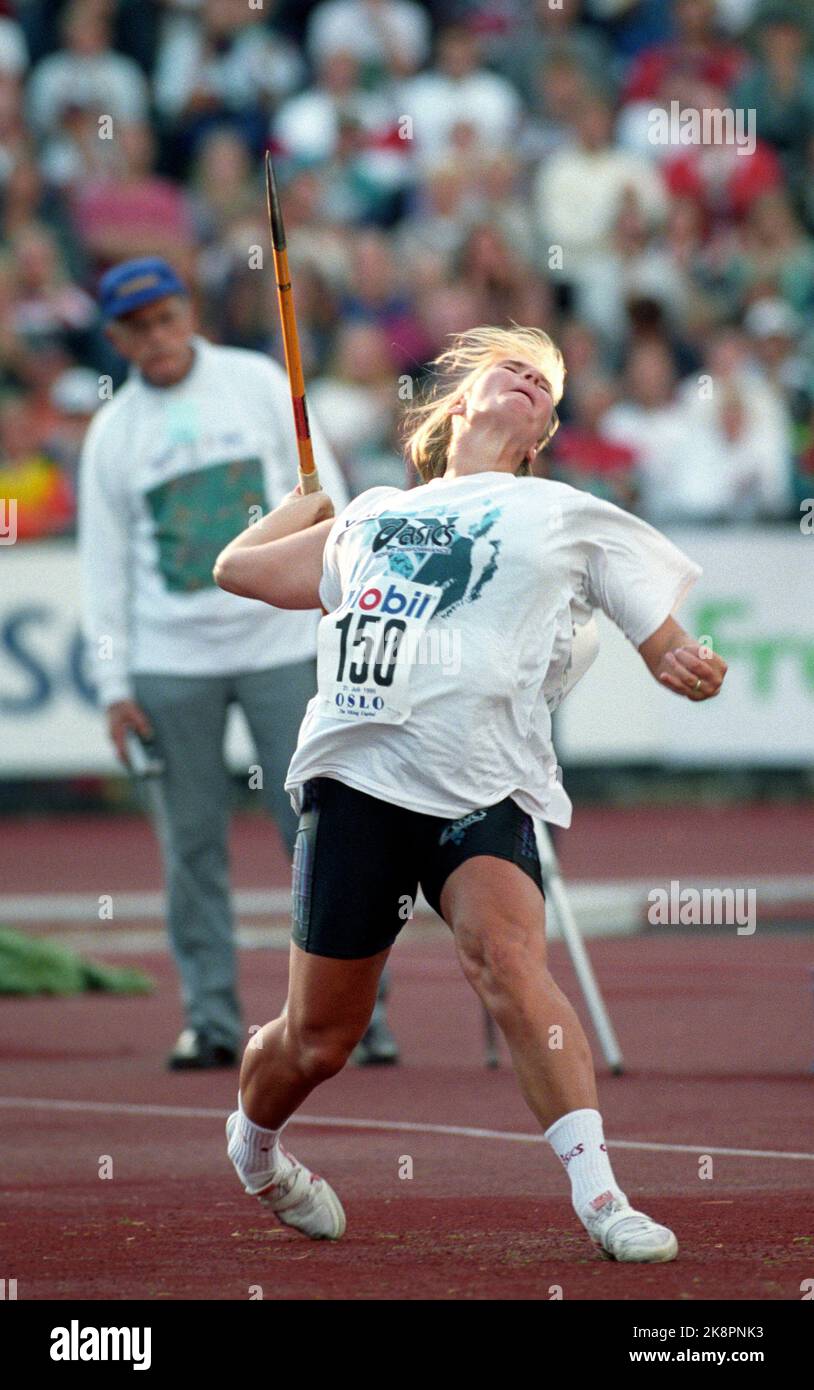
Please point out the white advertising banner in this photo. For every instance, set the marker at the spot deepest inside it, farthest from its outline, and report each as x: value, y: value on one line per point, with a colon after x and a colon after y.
x: 49, y: 723
x: 755, y: 600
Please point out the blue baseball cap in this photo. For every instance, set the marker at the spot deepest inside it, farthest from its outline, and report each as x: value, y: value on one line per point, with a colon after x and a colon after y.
x: 135, y: 283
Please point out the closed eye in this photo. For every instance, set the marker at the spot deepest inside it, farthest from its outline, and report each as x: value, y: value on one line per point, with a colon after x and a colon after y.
x: 524, y: 367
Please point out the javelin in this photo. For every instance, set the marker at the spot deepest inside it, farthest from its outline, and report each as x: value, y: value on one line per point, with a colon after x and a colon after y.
x: 309, y: 477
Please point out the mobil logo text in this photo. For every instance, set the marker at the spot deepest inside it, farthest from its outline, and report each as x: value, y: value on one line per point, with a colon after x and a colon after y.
x: 396, y: 600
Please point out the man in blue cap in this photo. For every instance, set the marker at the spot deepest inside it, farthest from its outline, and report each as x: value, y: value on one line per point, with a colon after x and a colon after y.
x: 195, y: 445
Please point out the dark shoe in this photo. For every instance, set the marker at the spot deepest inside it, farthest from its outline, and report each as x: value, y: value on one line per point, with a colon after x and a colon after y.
x: 196, y: 1052
x: 378, y: 1047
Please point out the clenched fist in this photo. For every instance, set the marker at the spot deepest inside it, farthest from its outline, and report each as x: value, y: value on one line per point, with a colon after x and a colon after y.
x: 689, y: 674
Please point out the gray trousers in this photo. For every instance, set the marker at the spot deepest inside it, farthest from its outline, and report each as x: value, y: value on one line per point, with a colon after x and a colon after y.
x: 193, y: 809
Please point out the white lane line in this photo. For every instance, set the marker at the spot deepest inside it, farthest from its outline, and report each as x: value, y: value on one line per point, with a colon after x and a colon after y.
x: 603, y: 908
x: 128, y: 906
x: 189, y: 1112
x: 590, y: 896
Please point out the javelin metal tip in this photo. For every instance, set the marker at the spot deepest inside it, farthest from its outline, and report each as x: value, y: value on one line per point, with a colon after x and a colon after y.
x: 275, y: 211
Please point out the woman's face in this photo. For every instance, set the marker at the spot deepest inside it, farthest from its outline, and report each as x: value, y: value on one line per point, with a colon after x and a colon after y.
x: 516, y: 394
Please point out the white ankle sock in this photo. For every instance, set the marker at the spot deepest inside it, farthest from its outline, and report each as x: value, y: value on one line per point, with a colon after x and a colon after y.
x: 579, y: 1143
x: 253, y: 1149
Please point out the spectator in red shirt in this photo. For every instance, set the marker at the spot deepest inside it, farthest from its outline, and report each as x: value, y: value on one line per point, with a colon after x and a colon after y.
x: 133, y: 210
x: 725, y: 178
x: 698, y: 50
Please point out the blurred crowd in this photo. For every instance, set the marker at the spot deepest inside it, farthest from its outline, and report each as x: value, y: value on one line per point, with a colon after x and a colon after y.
x: 442, y: 165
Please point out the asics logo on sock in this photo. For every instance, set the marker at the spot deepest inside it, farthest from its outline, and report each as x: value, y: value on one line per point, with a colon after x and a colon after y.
x: 576, y: 1151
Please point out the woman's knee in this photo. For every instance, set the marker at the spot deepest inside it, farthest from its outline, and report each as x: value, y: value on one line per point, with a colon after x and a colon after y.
x: 502, y: 958
x: 319, y: 1053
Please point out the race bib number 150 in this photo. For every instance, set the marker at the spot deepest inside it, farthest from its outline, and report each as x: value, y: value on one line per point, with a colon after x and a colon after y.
x: 367, y: 648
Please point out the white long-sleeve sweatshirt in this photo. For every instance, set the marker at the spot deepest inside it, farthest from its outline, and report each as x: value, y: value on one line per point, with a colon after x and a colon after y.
x: 168, y: 476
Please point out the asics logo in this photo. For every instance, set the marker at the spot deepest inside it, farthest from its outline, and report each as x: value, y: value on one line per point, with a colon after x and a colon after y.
x: 417, y: 533
x: 576, y: 1151
x: 455, y: 831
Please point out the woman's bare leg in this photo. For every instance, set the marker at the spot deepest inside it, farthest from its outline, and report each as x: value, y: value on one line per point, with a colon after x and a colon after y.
x: 497, y: 916
x: 327, y: 1011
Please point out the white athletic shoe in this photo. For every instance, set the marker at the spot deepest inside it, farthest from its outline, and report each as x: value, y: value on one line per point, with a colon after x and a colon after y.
x: 627, y: 1235
x: 298, y: 1197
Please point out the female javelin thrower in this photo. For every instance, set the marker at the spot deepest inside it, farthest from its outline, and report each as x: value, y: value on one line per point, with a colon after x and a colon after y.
x: 408, y: 771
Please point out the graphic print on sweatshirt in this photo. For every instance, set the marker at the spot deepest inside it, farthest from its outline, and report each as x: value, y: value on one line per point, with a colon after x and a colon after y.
x: 430, y: 549
x: 197, y: 514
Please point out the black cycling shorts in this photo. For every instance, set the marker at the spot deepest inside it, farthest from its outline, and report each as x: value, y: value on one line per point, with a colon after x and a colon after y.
x: 358, y: 862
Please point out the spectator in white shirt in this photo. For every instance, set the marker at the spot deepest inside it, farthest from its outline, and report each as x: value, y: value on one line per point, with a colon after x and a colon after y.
x: 739, y: 437
x: 715, y: 450
x: 383, y: 34
x: 774, y: 329
x: 579, y: 192
x: 637, y: 264
x: 86, y: 75
x: 225, y: 61
x: 649, y: 420
x: 458, y: 95
x: 307, y: 125
x: 197, y: 437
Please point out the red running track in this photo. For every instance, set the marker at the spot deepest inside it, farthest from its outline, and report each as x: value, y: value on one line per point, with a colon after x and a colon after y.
x: 717, y: 1032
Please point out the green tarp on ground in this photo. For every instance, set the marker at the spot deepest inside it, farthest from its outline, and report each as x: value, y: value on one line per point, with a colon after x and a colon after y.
x: 30, y: 965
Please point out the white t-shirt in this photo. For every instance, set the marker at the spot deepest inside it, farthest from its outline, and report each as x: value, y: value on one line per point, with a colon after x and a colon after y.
x: 168, y: 476
x: 108, y: 82
x: 438, y: 103
x: 578, y: 193
x: 367, y: 31
x: 505, y: 568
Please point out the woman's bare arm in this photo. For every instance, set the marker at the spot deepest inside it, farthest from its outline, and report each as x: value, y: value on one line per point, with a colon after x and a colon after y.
x: 279, y: 558
x: 673, y: 658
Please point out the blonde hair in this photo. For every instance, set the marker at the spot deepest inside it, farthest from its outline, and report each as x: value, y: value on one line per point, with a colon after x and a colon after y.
x: 428, y: 424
